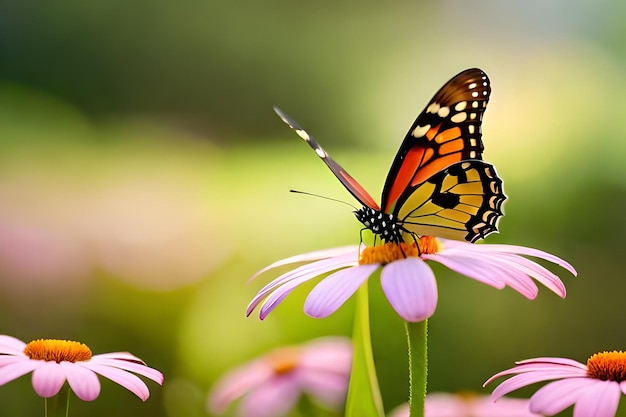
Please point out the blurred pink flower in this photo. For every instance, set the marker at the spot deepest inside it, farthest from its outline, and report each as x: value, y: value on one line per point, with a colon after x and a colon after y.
x: 454, y: 405
x: 593, y: 389
x: 406, y: 279
x: 271, y: 385
x: 52, y: 362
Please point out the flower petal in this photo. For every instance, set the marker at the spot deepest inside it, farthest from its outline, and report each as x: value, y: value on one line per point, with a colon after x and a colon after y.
x: 129, y: 365
x: 120, y: 377
x: 328, y: 387
x: 330, y: 294
x: 17, y: 368
x: 310, y: 256
x: 469, y: 267
x: 48, y: 379
x: 82, y: 381
x: 303, y: 274
x: 486, y: 269
x: 547, y: 360
x: 333, y: 354
x: 558, y: 395
x: 272, y: 399
x: 411, y: 288
x: 598, y: 400
x: 9, y: 345
x: 237, y: 383
x: 533, y: 270
x: 518, y: 250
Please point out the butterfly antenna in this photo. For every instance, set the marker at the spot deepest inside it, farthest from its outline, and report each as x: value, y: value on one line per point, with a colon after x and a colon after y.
x: 324, y: 197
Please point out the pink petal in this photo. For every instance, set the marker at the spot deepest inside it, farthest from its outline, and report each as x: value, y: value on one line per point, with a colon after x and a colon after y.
x: 237, y: 383
x: 444, y: 405
x: 82, y: 381
x: 484, y: 406
x: 11, y: 346
x: 311, y: 256
x: 519, y: 381
x: 127, y: 356
x: 128, y: 365
x: 330, y: 294
x: 554, y: 361
x: 468, y: 267
x: 487, y: 270
x: 558, y: 395
x: 302, y: 274
x: 598, y: 400
x: 536, y: 271
x: 518, y: 250
x: 329, y: 388
x: 411, y: 288
x: 120, y: 377
x: 328, y: 354
x: 48, y: 379
x: 10, y: 359
x: 18, y: 368
x: 273, y: 399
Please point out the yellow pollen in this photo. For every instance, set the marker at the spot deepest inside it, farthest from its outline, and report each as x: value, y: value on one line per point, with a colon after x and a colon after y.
x: 390, y: 252
x: 57, y: 350
x: 283, y: 360
x: 428, y: 245
x: 607, y: 366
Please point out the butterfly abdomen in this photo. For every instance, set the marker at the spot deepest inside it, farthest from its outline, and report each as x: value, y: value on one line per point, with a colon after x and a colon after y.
x: 381, y: 224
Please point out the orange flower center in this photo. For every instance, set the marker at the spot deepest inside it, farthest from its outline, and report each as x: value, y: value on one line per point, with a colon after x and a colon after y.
x: 57, y: 350
x: 283, y: 360
x: 390, y: 252
x: 607, y: 366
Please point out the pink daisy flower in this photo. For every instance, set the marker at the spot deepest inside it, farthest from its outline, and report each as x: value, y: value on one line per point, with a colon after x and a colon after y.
x: 452, y: 405
x: 407, y: 281
x: 52, y: 362
x: 271, y: 385
x: 593, y: 389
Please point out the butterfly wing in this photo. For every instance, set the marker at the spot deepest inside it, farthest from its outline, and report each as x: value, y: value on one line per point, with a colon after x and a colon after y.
x: 447, y: 131
x: 342, y: 175
x: 461, y: 202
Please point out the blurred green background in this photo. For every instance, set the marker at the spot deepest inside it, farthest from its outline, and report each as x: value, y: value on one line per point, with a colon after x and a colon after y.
x: 145, y: 177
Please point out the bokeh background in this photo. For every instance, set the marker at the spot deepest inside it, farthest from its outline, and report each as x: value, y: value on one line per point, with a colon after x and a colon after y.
x: 144, y: 177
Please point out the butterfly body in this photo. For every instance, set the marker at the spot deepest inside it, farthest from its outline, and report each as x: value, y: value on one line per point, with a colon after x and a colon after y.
x: 437, y: 185
x: 385, y: 225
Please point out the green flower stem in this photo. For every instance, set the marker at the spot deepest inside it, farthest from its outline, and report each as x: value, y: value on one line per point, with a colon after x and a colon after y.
x: 364, y: 398
x: 67, y: 404
x: 417, y: 336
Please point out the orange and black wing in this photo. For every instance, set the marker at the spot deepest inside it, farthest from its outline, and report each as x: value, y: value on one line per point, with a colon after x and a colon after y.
x: 447, y: 131
x: 461, y: 202
x: 346, y: 179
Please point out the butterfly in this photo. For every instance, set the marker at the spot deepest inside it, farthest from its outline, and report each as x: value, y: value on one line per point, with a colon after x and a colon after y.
x: 437, y: 185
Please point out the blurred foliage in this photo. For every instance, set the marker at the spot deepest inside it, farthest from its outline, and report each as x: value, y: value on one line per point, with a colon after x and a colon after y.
x: 144, y: 177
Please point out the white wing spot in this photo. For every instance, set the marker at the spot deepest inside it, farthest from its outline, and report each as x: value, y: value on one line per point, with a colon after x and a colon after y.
x: 472, y: 116
x: 472, y: 86
x: 303, y: 135
x: 474, y: 104
x: 474, y: 94
x: 485, y: 84
x: 471, y: 129
x: 459, y: 117
x: 485, y: 93
x: 420, y: 131
x: 433, y: 108
x: 460, y: 106
x: 444, y: 112
x: 320, y: 152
